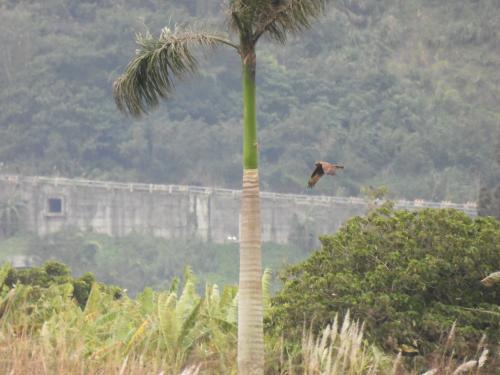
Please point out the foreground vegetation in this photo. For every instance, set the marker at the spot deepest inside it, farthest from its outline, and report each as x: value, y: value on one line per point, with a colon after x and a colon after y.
x: 391, y: 282
x: 44, y: 329
x: 407, y: 275
x: 156, y: 331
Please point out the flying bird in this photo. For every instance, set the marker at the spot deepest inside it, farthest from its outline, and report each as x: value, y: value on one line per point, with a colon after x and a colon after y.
x: 322, y: 167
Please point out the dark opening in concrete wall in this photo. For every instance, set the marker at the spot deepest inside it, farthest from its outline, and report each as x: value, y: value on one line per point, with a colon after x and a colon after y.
x: 55, y: 206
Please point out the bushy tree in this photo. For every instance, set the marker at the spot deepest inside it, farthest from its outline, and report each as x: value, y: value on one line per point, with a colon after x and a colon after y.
x: 50, y: 274
x: 408, y: 275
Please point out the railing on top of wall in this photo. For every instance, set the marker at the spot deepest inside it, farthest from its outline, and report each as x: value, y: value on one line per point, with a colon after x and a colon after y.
x: 469, y: 207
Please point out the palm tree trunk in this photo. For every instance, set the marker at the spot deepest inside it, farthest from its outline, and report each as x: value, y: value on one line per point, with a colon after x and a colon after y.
x: 250, y: 326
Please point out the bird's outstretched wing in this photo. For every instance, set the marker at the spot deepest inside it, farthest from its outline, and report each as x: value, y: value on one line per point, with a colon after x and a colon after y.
x: 316, y: 175
x: 331, y: 168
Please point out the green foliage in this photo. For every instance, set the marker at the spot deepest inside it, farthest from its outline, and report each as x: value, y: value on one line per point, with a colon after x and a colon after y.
x: 167, y: 330
x: 137, y: 261
x: 394, y: 103
x: 56, y: 270
x: 82, y: 287
x: 159, y: 61
x: 408, y: 275
x: 52, y: 274
x: 163, y: 331
x: 273, y: 18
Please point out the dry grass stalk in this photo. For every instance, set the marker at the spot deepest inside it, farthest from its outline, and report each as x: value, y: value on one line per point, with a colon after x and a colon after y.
x: 465, y: 367
x: 447, y: 364
x: 396, y: 364
x: 339, y: 351
x: 192, y: 370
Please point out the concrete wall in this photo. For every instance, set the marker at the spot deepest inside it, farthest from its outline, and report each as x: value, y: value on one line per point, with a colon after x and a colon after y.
x: 174, y: 211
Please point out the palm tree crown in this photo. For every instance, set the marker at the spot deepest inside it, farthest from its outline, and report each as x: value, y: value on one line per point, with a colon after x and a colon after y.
x: 150, y: 74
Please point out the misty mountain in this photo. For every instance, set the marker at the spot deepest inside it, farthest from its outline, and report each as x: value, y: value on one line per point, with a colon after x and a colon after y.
x: 405, y: 94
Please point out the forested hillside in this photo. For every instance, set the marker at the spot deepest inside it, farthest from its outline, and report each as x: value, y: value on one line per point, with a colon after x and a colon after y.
x: 404, y: 93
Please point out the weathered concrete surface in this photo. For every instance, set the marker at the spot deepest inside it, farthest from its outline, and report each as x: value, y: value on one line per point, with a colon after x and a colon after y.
x: 173, y: 211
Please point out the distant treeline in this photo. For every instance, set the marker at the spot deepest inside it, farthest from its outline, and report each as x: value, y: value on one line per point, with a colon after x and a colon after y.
x: 405, y: 94
x: 137, y: 261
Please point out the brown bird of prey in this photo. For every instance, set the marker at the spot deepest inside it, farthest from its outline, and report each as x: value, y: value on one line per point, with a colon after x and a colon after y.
x: 322, y: 167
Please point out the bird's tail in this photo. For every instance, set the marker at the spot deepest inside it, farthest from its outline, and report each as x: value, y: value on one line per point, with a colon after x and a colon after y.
x: 339, y: 166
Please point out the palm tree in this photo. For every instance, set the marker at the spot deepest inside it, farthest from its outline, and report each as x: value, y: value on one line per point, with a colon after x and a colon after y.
x: 149, y: 77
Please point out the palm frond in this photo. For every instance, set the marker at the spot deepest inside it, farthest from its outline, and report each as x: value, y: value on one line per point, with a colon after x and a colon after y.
x: 242, y: 14
x: 491, y: 279
x: 5, y: 269
x: 150, y: 74
x: 234, y: 10
x: 267, y: 279
x: 279, y: 17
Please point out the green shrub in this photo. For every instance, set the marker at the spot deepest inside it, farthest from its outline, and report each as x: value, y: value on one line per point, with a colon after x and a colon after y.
x: 138, y: 260
x: 82, y: 287
x: 159, y: 332
x: 408, y: 275
x: 55, y: 269
x: 54, y: 273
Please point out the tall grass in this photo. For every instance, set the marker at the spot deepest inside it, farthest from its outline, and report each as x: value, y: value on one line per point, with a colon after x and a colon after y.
x: 447, y: 364
x: 44, y: 331
x: 157, y: 332
x: 341, y: 351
